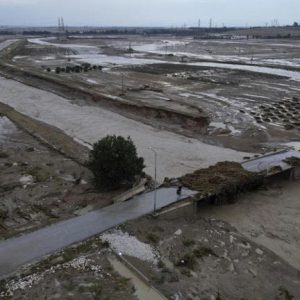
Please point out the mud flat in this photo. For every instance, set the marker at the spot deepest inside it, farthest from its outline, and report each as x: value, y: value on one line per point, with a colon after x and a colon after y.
x: 203, y: 258
x: 268, y: 217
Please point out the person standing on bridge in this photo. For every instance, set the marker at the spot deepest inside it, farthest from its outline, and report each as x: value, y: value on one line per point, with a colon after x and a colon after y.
x: 179, y: 192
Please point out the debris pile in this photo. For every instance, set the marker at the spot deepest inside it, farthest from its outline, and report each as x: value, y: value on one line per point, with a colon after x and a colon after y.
x: 293, y: 161
x: 124, y: 244
x: 222, y: 181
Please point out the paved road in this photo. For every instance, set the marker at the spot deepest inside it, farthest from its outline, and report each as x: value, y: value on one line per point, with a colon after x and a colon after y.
x: 265, y: 163
x: 21, y: 250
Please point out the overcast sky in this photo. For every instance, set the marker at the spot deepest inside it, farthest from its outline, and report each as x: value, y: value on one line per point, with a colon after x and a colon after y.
x: 148, y: 12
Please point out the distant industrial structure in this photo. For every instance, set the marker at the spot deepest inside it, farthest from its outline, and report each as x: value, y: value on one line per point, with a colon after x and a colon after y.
x: 61, y: 30
x: 211, y: 30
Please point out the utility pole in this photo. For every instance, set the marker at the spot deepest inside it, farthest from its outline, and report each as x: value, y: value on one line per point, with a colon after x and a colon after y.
x: 130, y: 50
x: 210, y: 23
x: 58, y: 29
x: 123, y: 84
x: 62, y: 24
x: 199, y: 27
x: 155, y: 179
x: 61, y: 27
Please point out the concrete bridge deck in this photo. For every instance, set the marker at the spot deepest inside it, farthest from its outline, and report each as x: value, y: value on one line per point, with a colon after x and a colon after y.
x: 269, y: 161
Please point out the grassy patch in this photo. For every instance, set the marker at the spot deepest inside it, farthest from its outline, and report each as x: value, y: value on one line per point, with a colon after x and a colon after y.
x: 39, y: 173
x: 3, y: 155
x: 122, y: 284
x: 293, y: 161
x: 85, y: 247
x: 96, y: 289
x: 161, y: 264
x: 153, y: 238
x: 45, y: 210
x: 203, y: 252
x: 3, y: 214
x: 158, y: 229
x: 283, y: 292
x: 188, y: 243
x: 160, y: 279
x: 219, y: 296
x: 189, y: 259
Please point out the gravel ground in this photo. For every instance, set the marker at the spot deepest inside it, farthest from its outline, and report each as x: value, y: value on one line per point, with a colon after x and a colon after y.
x: 124, y: 244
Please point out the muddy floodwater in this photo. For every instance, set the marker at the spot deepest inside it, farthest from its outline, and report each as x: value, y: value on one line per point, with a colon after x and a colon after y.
x: 143, y: 291
x: 242, y: 95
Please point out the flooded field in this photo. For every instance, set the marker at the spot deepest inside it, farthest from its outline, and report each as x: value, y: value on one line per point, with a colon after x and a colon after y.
x: 177, y: 154
x: 248, y: 91
x: 196, y: 102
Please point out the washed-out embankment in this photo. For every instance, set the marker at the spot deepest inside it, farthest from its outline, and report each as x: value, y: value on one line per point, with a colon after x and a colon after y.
x: 48, y: 135
x: 143, y: 112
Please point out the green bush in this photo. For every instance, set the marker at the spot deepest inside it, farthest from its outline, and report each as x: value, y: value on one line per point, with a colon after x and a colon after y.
x: 40, y: 174
x: 3, y: 155
x: 203, y: 252
x: 188, y: 243
x: 3, y: 214
x: 153, y: 238
x: 114, y: 162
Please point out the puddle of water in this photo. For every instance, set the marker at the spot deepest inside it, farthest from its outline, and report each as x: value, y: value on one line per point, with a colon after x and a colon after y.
x: 294, y: 75
x: 142, y: 290
x: 92, y: 56
x: 47, y: 43
x: 218, y: 125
